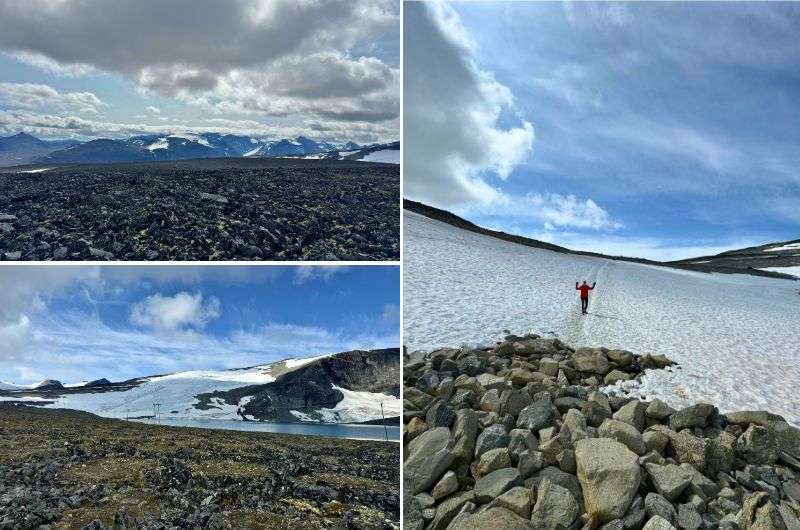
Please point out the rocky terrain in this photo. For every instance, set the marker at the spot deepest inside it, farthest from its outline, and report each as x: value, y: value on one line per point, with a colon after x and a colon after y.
x: 72, y: 470
x: 213, y: 209
x: 520, y: 436
x: 764, y: 260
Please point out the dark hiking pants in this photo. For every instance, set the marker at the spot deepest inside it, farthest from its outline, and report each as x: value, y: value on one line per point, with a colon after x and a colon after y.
x: 584, y: 304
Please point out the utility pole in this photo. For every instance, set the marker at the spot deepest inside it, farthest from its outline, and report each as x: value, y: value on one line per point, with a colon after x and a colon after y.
x: 385, y: 430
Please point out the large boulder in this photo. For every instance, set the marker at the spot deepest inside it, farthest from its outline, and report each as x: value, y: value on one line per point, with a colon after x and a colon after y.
x: 669, y: 480
x: 591, y: 360
x: 555, y: 508
x: 465, y: 433
x: 623, y: 433
x: 609, y: 475
x: 689, y: 417
x: 757, y: 446
x: 496, y: 483
x: 429, y: 455
x: 492, y: 437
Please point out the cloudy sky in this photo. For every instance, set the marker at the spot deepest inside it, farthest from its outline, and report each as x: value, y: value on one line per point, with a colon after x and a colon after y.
x: 82, y: 323
x: 273, y: 68
x: 661, y: 130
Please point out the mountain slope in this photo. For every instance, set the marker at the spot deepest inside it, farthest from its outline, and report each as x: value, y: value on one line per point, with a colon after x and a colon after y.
x: 341, y: 388
x: 706, y: 264
x: 727, y: 331
x: 782, y: 257
x: 23, y: 148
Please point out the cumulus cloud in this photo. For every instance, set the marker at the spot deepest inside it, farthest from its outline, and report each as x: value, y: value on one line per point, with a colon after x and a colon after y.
x: 279, y: 58
x: 180, y: 311
x: 457, y: 135
x: 33, y: 95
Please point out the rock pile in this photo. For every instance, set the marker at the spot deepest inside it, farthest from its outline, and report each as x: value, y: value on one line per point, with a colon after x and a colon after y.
x: 520, y: 436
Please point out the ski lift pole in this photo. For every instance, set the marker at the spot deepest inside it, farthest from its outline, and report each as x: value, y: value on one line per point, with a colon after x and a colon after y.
x: 385, y: 430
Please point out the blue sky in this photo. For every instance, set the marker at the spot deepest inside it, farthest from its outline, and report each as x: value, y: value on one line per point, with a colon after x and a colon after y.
x: 82, y: 323
x: 268, y: 68
x: 661, y: 130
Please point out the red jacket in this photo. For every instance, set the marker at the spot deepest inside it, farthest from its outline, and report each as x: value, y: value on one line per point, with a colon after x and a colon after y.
x: 584, y: 289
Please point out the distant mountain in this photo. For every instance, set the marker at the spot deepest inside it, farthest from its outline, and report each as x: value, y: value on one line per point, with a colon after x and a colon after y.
x: 781, y: 258
x: 23, y: 148
x: 388, y: 153
x: 347, y: 387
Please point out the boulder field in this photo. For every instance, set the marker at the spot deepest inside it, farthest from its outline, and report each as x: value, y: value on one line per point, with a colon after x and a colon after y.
x: 521, y: 436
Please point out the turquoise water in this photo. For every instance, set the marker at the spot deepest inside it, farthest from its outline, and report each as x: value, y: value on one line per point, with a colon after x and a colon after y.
x: 356, y: 432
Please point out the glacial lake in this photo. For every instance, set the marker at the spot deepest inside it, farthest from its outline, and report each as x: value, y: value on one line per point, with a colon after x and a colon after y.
x: 355, y: 432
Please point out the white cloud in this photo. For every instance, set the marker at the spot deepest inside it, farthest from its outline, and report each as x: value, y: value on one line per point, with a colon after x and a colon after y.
x: 391, y: 313
x: 175, y: 312
x: 456, y: 132
x: 33, y: 95
x: 306, y: 273
x: 308, y: 59
x: 154, y: 110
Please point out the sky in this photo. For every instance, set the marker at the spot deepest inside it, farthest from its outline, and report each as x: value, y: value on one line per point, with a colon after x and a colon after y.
x: 78, y: 323
x: 327, y: 69
x: 659, y: 130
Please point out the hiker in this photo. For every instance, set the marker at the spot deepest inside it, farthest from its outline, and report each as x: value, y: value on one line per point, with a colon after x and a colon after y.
x: 584, y: 289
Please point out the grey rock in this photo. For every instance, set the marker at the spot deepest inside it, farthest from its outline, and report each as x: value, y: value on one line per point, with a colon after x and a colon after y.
x: 429, y: 455
x: 555, y: 508
x: 693, y: 416
x: 447, y: 484
x: 496, y: 483
x: 521, y: 440
x: 670, y: 480
x: 493, y: 518
x: 658, y: 410
x: 449, y: 508
x: 609, y: 476
x: 538, y: 415
x: 757, y: 445
x: 491, y: 437
x: 529, y: 463
x: 623, y: 433
x: 517, y: 499
x: 633, y: 414
x: 689, y: 518
x: 657, y: 523
x: 591, y: 360
x: 492, y: 460
x: 655, y: 504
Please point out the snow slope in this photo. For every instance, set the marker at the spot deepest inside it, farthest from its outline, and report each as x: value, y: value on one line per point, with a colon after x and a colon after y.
x: 175, y: 392
x: 735, y: 336
x: 388, y: 156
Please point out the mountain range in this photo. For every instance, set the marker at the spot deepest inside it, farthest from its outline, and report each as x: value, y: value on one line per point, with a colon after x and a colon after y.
x: 24, y: 149
x: 358, y: 386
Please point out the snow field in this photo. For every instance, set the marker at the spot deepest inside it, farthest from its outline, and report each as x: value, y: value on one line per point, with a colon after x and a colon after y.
x: 736, y: 337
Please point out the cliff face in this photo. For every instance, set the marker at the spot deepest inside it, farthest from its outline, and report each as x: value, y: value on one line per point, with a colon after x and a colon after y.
x: 315, y: 386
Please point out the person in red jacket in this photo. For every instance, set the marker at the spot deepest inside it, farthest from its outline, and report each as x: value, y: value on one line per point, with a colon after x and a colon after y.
x: 584, y: 289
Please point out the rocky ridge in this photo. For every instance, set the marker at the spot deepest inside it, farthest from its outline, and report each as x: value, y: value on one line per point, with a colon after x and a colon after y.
x: 520, y: 436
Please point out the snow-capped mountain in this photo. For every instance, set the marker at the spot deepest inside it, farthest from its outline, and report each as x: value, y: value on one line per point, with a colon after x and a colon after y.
x: 388, y: 153
x: 726, y: 331
x: 347, y: 387
x: 24, y: 149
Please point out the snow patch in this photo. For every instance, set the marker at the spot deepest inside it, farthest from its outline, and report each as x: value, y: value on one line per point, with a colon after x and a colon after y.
x: 161, y: 143
x: 39, y: 170
x: 790, y: 246
x: 387, y: 156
